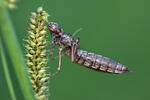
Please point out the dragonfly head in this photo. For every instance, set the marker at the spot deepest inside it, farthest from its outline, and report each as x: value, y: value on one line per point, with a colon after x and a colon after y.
x: 54, y: 27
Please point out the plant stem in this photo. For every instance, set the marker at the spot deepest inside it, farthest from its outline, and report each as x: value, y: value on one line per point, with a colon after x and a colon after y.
x: 6, y: 71
x: 10, y: 40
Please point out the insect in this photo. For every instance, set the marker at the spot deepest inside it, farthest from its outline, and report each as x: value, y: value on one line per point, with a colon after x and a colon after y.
x: 70, y: 47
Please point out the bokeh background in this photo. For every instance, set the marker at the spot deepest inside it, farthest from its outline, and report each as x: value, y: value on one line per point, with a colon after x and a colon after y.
x: 118, y: 29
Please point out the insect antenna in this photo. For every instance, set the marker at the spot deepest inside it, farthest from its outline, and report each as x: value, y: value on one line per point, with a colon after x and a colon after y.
x: 77, y: 31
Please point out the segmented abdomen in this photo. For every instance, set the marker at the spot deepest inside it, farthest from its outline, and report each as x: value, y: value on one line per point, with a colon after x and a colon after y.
x: 100, y: 63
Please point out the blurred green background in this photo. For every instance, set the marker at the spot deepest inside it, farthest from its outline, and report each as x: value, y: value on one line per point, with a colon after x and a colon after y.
x: 118, y: 29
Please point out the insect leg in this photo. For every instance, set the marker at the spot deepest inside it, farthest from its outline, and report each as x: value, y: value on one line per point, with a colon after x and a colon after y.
x: 72, y: 53
x: 59, y: 63
x: 74, y: 49
x: 78, y: 30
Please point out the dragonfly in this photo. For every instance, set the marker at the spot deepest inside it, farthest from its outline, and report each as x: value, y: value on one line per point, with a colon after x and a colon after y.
x: 70, y: 46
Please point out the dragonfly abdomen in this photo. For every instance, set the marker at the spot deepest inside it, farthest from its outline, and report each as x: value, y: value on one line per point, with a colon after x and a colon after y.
x: 100, y: 63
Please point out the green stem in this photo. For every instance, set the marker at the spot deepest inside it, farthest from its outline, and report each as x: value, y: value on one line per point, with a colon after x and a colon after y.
x: 14, y: 51
x: 6, y: 72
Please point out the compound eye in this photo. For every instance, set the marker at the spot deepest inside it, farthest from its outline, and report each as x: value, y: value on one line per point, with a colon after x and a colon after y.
x: 54, y: 26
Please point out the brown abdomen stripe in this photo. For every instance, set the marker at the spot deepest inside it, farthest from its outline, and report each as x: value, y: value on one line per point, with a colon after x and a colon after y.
x: 100, y: 63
